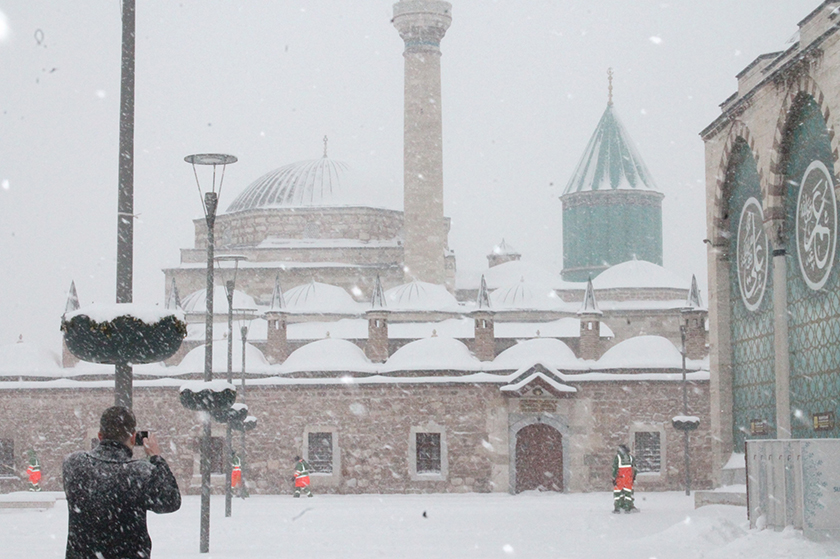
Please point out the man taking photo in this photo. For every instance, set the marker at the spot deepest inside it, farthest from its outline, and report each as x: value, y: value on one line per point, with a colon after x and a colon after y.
x: 108, y: 492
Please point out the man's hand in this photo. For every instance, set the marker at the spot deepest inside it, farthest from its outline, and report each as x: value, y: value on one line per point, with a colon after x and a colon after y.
x: 150, y: 445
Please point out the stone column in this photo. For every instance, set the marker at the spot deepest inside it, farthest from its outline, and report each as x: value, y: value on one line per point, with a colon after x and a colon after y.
x: 422, y: 24
x: 720, y: 360
x: 780, y: 343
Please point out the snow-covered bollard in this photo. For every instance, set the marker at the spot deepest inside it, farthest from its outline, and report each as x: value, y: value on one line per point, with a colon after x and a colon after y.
x: 124, y: 333
x: 685, y: 422
x: 215, y: 396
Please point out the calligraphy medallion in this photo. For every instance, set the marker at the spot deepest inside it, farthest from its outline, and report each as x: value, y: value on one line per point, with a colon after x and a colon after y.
x: 816, y: 225
x: 752, y: 254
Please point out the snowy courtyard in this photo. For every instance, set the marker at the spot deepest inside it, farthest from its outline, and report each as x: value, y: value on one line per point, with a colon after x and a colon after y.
x: 529, y: 525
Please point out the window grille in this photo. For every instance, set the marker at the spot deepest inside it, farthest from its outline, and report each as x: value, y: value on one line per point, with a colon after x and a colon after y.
x: 428, y: 453
x: 321, y: 452
x: 648, y: 452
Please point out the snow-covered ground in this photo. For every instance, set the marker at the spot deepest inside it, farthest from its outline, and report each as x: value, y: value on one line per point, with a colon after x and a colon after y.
x: 530, y: 525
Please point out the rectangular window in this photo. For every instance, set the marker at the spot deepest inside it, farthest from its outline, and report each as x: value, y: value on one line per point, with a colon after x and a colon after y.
x: 217, y: 453
x: 428, y: 453
x: 7, y: 458
x: 648, y: 452
x: 321, y: 452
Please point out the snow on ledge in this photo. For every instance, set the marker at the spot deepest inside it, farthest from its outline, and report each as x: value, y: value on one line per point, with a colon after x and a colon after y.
x: 686, y: 418
x: 551, y: 382
x: 149, y: 314
x: 736, y: 462
x: 196, y: 386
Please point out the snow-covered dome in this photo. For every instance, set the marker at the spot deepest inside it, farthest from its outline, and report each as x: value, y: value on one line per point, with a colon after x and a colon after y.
x: 24, y: 358
x: 642, y: 352
x: 196, y: 301
x: 419, y: 296
x: 194, y: 360
x: 320, y: 298
x: 433, y: 354
x: 638, y: 274
x: 509, y: 273
x: 327, y: 355
x: 525, y: 295
x: 549, y: 351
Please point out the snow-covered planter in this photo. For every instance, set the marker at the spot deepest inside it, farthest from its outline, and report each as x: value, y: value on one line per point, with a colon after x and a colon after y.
x: 247, y: 424
x: 216, y: 396
x: 685, y: 422
x: 124, y: 333
x: 233, y: 414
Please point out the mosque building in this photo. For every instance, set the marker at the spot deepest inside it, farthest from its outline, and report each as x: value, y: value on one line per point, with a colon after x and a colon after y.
x: 774, y: 303
x: 369, y: 355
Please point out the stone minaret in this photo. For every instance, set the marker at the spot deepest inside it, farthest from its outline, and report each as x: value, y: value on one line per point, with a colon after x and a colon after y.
x: 422, y: 24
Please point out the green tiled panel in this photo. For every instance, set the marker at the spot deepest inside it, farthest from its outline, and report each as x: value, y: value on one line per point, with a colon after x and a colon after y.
x: 814, y: 316
x: 753, y: 375
x: 598, y: 235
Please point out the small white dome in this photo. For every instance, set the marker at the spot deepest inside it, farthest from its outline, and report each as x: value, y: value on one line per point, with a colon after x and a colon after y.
x: 433, y: 354
x: 327, y: 355
x: 320, y: 298
x: 549, y: 351
x: 194, y: 360
x: 525, y: 295
x: 419, y: 296
x: 642, y: 352
x: 638, y: 274
x: 196, y: 301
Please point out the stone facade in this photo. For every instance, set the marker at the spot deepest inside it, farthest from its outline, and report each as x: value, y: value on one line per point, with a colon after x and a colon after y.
x: 768, y: 118
x: 372, y: 425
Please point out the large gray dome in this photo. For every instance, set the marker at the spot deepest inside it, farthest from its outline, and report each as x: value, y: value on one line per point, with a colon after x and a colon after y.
x: 316, y: 182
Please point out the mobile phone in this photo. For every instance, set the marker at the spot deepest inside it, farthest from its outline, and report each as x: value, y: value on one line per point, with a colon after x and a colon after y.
x: 138, y: 438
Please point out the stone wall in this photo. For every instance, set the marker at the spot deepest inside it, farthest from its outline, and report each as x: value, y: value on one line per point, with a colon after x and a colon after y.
x: 372, y: 426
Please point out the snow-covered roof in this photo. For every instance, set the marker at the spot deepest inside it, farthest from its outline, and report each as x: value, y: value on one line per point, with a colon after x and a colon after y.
x: 610, y: 160
x: 28, y: 359
x: 193, y: 361
x: 504, y: 248
x: 433, y: 354
x: 525, y: 295
x: 420, y: 296
x: 539, y: 350
x: 558, y: 386
x: 320, y: 298
x: 638, y: 274
x: 196, y: 302
x: 327, y: 355
x: 642, y: 352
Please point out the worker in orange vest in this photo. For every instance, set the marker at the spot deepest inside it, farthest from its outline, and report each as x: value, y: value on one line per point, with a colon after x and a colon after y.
x: 34, y: 471
x: 302, y: 477
x: 236, y: 472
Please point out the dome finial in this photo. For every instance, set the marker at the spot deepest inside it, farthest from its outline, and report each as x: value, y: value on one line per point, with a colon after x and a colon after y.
x: 609, y: 89
x: 325, y: 146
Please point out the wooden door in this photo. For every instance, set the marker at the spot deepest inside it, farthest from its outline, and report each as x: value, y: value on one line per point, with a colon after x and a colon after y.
x: 539, y: 458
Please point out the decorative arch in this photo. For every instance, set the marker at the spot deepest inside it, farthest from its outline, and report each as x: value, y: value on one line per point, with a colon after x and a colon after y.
x: 774, y: 210
x: 738, y: 131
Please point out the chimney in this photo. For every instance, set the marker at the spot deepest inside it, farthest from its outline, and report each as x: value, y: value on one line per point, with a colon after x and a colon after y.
x: 276, y: 342
x: 589, y: 343
x: 693, y: 318
x: 485, y: 334
x: 376, y: 347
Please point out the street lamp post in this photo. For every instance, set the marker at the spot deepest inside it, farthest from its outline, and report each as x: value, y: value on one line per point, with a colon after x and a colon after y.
x: 245, y: 318
x: 230, y: 287
x: 210, y: 201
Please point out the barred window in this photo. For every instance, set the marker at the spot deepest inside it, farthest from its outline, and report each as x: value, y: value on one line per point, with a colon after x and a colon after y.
x: 321, y: 452
x: 648, y: 452
x: 7, y: 458
x: 428, y: 453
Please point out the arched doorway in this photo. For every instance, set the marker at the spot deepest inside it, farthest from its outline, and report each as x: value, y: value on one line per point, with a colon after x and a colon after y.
x: 539, y: 458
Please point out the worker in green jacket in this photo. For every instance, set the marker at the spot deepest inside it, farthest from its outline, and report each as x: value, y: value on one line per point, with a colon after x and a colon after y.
x: 624, y: 474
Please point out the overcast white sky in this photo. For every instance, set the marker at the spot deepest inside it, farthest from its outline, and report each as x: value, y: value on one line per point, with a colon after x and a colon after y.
x: 524, y: 84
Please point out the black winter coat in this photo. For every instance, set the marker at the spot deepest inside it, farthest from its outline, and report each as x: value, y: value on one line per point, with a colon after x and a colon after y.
x: 108, y: 494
